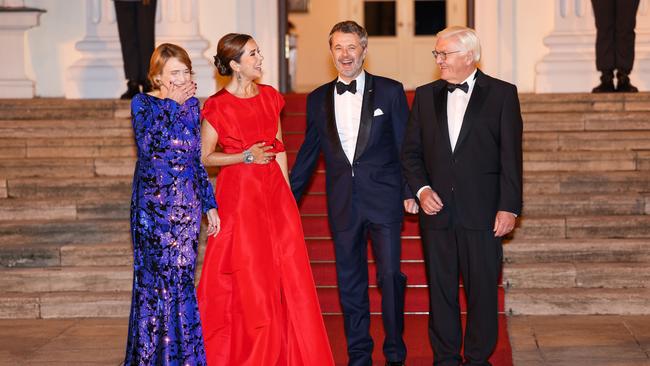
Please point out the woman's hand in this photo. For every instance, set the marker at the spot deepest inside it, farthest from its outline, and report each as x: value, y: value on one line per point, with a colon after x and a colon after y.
x: 214, y: 223
x: 178, y: 93
x: 261, y: 154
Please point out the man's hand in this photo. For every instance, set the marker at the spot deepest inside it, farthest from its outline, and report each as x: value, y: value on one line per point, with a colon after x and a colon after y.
x: 430, y: 201
x: 410, y: 206
x: 504, y: 223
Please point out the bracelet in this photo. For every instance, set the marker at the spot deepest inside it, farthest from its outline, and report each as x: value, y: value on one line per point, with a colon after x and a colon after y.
x: 248, y: 157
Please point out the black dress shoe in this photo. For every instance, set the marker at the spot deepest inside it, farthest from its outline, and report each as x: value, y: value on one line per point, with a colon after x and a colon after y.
x: 398, y: 363
x: 132, y: 88
x: 624, y: 85
x: 606, y: 83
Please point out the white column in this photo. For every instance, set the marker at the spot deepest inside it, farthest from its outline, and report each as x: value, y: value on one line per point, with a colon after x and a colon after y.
x: 177, y: 22
x: 497, y: 29
x: 15, y: 19
x: 100, y: 72
x: 259, y: 18
x: 570, y: 65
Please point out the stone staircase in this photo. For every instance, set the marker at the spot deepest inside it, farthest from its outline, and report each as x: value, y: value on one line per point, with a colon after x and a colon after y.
x: 587, y: 174
x: 582, y: 246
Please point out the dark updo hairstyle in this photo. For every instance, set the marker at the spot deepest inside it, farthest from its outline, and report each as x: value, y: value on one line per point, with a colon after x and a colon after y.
x: 230, y: 48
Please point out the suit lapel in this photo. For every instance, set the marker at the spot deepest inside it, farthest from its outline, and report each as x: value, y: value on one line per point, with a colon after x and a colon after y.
x: 330, y: 120
x: 473, y: 108
x: 440, y: 103
x: 367, y: 110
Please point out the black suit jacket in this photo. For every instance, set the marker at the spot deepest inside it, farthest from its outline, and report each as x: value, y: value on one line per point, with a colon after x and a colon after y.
x: 372, y: 184
x: 484, y: 173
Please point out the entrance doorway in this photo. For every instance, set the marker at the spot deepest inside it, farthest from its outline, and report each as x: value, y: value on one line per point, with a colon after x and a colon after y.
x: 400, y: 35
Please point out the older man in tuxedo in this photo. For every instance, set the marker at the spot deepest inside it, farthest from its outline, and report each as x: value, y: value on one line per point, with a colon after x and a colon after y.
x: 357, y: 121
x: 462, y: 155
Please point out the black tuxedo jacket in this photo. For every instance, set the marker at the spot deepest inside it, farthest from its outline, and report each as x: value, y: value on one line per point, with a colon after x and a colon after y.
x: 483, y: 174
x: 372, y: 184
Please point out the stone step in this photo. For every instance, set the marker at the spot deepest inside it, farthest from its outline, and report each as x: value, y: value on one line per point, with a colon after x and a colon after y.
x: 71, y: 124
x: 65, y: 305
x: 113, y: 206
x: 59, y: 108
x: 36, y: 133
x: 576, y: 182
x: 587, y: 140
x: 65, y: 279
x: 580, y: 161
x: 64, y: 231
x: 623, y: 226
x: 584, y: 102
x: 586, y: 204
x: 84, y: 147
x: 54, y: 168
x: 586, y: 121
x: 576, y: 251
x: 93, y: 187
x: 577, y: 275
x: 66, y: 167
x: 578, y: 301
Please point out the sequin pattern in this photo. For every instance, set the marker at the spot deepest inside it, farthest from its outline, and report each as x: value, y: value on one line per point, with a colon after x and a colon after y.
x: 170, y: 191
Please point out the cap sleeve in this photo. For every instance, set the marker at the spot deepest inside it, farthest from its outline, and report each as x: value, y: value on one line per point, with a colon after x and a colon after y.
x: 210, y: 113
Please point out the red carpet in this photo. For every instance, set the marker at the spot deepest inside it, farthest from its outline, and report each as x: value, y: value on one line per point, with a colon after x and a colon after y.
x: 417, y: 341
x: 321, y: 253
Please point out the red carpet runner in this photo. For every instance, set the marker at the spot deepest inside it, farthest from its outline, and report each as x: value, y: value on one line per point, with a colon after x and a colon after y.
x: 321, y: 253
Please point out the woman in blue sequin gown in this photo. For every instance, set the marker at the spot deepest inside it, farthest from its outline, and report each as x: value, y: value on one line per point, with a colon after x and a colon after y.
x: 170, y: 191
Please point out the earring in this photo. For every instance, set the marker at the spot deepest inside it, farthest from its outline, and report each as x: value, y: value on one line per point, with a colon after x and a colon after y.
x: 238, y: 77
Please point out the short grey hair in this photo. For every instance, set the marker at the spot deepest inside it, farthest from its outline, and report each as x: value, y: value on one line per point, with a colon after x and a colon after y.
x: 467, y: 38
x: 350, y: 26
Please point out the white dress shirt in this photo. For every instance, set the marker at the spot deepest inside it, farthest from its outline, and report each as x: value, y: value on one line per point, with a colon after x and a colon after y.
x: 456, y: 106
x: 457, y: 102
x: 347, y: 110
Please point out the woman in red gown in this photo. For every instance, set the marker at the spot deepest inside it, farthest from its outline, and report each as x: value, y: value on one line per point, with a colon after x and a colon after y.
x: 257, y: 298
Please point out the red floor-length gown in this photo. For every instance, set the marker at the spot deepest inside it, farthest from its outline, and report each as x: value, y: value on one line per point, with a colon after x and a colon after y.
x: 257, y: 298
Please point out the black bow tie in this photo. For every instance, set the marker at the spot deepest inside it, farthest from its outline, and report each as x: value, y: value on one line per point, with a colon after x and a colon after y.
x: 464, y: 87
x: 342, y: 87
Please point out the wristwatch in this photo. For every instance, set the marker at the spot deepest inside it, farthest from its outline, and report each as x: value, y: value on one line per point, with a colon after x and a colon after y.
x: 248, y: 157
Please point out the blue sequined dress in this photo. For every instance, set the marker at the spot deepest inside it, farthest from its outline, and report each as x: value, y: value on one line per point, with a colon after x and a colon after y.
x: 170, y: 191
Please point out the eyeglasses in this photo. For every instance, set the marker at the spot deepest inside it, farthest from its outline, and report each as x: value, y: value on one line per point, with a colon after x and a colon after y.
x: 443, y: 55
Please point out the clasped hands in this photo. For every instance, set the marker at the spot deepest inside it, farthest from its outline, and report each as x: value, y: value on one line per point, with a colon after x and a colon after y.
x: 432, y: 204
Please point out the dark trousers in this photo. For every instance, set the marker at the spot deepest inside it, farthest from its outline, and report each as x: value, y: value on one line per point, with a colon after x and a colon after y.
x: 351, y: 248
x: 136, y: 26
x: 476, y: 255
x: 615, y: 23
